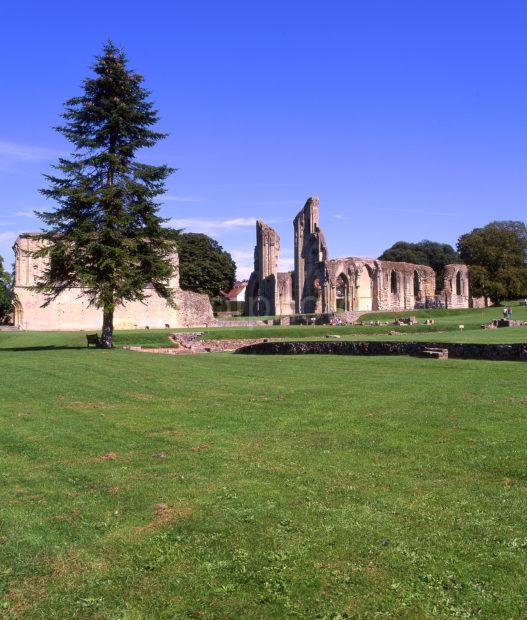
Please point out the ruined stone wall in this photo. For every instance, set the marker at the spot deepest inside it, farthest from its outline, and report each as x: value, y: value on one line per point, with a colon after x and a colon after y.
x: 261, y: 294
x: 456, y: 293
x: 402, y: 285
x: 286, y: 303
x: 71, y: 310
x: 495, y: 352
x: 320, y: 285
x: 367, y: 284
x: 311, y: 290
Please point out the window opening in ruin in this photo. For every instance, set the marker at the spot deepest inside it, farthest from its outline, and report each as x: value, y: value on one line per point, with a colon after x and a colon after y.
x: 416, y: 284
x: 316, y: 291
x: 393, y: 283
x: 459, y: 284
x: 342, y: 292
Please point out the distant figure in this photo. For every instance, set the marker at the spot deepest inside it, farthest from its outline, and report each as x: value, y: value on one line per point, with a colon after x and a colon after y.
x: 505, y: 312
x: 509, y: 312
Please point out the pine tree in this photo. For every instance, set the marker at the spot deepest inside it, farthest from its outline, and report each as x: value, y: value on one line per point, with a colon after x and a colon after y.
x: 106, y: 235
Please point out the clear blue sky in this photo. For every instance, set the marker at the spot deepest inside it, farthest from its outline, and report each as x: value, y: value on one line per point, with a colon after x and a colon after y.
x: 407, y: 118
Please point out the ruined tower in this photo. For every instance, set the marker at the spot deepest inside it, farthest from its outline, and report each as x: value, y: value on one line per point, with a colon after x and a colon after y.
x: 310, y: 254
x: 261, y: 296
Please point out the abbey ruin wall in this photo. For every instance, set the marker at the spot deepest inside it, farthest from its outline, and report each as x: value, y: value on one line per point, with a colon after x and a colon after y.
x: 321, y: 285
x: 71, y: 310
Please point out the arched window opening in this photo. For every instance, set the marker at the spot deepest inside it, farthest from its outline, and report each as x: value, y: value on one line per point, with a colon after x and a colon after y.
x: 459, y: 284
x: 416, y: 285
x: 393, y: 283
x: 316, y: 296
x: 255, y: 299
x: 342, y: 292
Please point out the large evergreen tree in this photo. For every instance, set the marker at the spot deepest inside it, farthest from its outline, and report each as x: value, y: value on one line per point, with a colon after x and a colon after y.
x: 106, y: 234
x: 204, y: 266
x: 497, y: 259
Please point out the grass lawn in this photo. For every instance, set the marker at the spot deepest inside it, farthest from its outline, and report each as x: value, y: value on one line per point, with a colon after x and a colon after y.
x: 445, y: 329
x: 224, y: 486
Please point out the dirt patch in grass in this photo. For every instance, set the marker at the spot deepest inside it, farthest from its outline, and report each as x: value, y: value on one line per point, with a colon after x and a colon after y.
x: 140, y: 396
x: 109, y: 456
x: 164, y: 514
x: 23, y: 596
x: 81, y: 406
x: 201, y: 447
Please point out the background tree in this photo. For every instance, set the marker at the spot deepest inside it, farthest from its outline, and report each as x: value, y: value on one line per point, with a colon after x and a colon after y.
x: 106, y: 234
x: 497, y: 258
x: 426, y: 252
x: 6, y: 293
x: 204, y: 266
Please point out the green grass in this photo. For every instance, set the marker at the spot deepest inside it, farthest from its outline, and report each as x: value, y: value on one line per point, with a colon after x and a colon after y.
x: 309, y: 487
x: 445, y: 329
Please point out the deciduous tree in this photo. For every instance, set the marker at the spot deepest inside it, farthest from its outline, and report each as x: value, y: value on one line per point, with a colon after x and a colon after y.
x: 204, y: 266
x: 497, y: 258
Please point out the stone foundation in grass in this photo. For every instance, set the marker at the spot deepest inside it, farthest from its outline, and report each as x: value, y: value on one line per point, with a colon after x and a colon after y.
x: 496, y: 352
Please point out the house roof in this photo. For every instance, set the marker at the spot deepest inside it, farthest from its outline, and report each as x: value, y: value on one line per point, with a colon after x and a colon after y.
x: 237, y: 288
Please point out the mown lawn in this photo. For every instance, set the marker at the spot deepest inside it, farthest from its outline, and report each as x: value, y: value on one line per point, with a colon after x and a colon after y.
x: 445, y: 329
x: 225, y: 486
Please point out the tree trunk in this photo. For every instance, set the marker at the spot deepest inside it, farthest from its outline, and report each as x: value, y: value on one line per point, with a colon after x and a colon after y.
x: 107, y: 330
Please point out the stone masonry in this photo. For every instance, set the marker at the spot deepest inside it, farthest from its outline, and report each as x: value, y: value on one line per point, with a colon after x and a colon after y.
x: 320, y: 285
x: 71, y: 311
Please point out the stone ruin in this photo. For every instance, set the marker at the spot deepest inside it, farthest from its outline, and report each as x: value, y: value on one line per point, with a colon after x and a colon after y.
x: 320, y: 285
x: 71, y: 311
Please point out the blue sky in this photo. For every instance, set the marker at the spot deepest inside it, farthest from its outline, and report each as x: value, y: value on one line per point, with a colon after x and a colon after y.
x: 407, y: 118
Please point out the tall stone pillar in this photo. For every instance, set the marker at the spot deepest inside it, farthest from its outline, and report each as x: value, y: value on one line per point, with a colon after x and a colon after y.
x: 261, y: 296
x: 310, y: 250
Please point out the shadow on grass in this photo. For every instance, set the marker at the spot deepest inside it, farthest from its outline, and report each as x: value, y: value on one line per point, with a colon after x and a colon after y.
x: 51, y: 348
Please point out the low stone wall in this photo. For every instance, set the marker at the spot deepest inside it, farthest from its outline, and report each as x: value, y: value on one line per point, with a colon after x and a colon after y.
x: 241, y: 323
x: 497, y: 352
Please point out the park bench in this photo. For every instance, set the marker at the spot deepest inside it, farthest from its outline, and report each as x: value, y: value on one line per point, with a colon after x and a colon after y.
x: 93, y: 339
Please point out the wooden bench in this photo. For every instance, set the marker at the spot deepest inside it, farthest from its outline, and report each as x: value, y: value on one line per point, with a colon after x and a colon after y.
x: 93, y: 339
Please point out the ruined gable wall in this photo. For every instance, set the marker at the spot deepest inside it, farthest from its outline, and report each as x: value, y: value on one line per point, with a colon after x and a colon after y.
x: 310, y: 287
x: 286, y: 303
x: 71, y: 310
x: 456, y: 293
x: 261, y: 294
x: 402, y: 285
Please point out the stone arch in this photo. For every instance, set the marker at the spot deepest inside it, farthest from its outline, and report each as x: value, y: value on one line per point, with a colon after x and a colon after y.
x: 394, y: 284
x: 459, y: 283
x: 343, y: 292
x: 316, y: 298
x: 18, y: 313
x: 252, y: 294
x: 365, y: 289
x: 315, y: 301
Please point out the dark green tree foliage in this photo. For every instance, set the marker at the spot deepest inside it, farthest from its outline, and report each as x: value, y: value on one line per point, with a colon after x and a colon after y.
x: 6, y: 292
x: 431, y: 253
x: 497, y: 258
x: 204, y: 266
x: 106, y: 234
